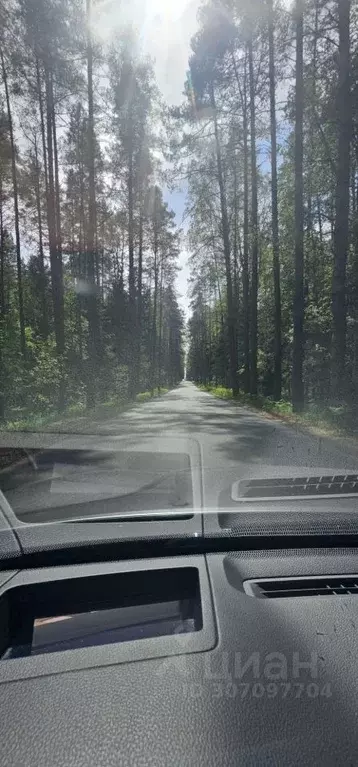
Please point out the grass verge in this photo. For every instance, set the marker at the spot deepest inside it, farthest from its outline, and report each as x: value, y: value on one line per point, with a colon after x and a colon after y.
x: 77, y: 416
x: 322, y: 421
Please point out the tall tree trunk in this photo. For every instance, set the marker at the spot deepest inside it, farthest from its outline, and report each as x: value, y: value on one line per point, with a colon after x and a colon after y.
x: 131, y: 271
x: 298, y: 305
x: 56, y: 275
x: 2, y: 310
x: 92, y: 300
x: 160, y: 334
x: 16, y: 210
x: 154, y: 304
x: 57, y: 190
x: 42, y: 123
x: 320, y: 222
x: 2, y: 254
x: 245, y: 266
x: 231, y: 318
x: 44, y: 313
x: 245, y: 253
x: 236, y: 248
x: 154, y: 327
x: 341, y: 231
x: 274, y: 196
x: 254, y: 224
x: 139, y: 299
x: 58, y: 234
x: 81, y: 250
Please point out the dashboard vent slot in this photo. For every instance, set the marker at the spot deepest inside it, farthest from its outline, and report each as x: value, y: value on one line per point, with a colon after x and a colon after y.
x: 319, y: 586
x: 306, y: 488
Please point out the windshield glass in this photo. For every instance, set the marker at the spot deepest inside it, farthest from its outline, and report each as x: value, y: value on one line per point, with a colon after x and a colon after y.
x: 45, y: 485
x: 178, y: 255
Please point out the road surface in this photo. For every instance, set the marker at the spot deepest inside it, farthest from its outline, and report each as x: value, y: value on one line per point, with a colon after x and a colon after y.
x: 234, y: 442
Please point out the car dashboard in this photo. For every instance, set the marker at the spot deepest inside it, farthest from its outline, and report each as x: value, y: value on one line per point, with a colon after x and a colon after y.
x: 226, y: 636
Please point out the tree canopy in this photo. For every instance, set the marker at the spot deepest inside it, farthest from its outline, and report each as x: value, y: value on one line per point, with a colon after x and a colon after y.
x: 88, y: 246
x: 267, y: 139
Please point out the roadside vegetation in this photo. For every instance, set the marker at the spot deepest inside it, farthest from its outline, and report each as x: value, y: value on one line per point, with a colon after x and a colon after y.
x: 89, y: 317
x: 330, y: 421
x: 77, y: 416
x: 269, y: 146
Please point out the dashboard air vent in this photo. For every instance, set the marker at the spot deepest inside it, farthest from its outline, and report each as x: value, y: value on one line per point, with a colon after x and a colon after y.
x: 319, y: 586
x: 307, y: 488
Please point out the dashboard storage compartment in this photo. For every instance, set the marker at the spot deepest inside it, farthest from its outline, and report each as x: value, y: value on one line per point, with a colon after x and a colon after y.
x: 59, y: 619
x: 83, y: 612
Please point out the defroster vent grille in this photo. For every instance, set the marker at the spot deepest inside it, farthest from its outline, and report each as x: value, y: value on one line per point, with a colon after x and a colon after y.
x: 319, y: 586
x: 307, y: 488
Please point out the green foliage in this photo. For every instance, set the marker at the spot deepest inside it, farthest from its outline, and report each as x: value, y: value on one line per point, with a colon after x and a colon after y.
x: 144, y: 396
x: 257, y: 401
x: 98, y: 259
x: 218, y: 391
x: 220, y: 67
x: 43, y: 373
x: 325, y: 420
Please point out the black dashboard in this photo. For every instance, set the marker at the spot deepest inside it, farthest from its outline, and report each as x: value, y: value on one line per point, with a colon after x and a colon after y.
x: 226, y: 637
x: 250, y: 680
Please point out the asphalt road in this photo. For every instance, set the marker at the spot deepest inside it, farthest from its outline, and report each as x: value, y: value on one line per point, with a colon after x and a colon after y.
x: 233, y: 442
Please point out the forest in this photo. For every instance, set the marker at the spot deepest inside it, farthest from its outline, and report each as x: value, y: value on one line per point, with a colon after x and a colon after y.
x: 88, y: 246
x: 264, y: 147
x: 269, y: 151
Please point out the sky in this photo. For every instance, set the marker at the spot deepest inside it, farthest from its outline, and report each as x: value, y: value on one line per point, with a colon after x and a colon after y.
x: 167, y: 31
x: 165, y: 28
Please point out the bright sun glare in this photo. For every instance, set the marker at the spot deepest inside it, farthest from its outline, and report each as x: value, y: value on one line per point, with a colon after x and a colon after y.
x: 167, y: 10
x: 142, y: 12
x: 164, y: 29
